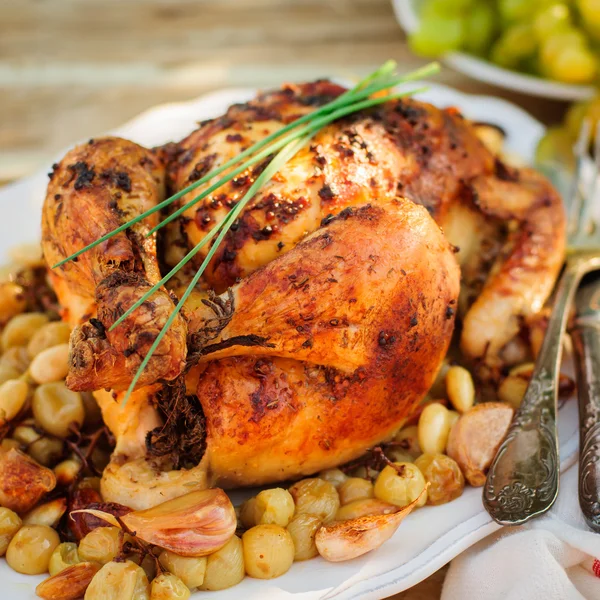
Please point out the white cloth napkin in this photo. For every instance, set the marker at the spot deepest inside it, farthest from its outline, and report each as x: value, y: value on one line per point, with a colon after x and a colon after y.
x: 554, y: 557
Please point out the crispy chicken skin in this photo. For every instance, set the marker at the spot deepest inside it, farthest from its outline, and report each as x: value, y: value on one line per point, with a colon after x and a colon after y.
x: 402, y: 148
x: 94, y: 189
x: 327, y: 310
x: 318, y: 356
x: 365, y: 302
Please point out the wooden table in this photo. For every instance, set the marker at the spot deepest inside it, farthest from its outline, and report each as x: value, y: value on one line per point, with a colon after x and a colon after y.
x: 71, y: 69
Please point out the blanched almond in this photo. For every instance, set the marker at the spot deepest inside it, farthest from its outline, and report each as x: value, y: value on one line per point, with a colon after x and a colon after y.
x: 196, y: 524
x: 345, y: 540
x: 69, y: 584
x: 23, y: 482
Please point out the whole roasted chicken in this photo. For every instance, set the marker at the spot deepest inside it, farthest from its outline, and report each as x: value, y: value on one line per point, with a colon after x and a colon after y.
x: 326, y: 312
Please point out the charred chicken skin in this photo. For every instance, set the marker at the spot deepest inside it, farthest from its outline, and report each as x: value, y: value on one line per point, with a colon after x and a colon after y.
x: 327, y: 310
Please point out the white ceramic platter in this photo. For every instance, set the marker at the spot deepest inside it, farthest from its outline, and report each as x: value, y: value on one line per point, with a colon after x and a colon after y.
x: 407, y: 13
x: 428, y: 538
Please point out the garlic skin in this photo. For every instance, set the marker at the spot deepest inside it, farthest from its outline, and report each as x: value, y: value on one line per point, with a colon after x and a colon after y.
x: 345, y: 540
x: 196, y: 524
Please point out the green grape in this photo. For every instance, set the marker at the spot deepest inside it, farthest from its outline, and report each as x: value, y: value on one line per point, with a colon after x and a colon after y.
x: 590, y: 16
x: 480, y: 27
x: 574, y: 65
x: 554, y: 45
x: 590, y: 11
x: 588, y: 109
x: 579, y: 111
x: 555, y: 147
x: 512, y: 11
x: 437, y: 35
x: 516, y: 45
x: 531, y: 65
x: 444, y: 8
x: 549, y: 20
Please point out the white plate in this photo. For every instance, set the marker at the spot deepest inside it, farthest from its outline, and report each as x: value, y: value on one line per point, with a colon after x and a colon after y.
x: 428, y: 538
x: 407, y: 13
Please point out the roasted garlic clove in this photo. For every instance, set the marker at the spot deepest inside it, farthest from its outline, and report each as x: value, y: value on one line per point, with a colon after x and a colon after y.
x: 195, y: 524
x: 68, y: 584
x: 48, y: 514
x: 364, y: 508
x: 23, y: 481
x: 348, y: 539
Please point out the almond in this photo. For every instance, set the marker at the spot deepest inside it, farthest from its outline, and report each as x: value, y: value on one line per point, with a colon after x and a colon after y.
x: 69, y: 584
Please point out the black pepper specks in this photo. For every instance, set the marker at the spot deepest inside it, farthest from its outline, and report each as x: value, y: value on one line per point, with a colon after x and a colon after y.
x: 83, y: 174
x: 326, y: 193
x: 229, y: 255
x: 119, y: 179
x: 449, y: 312
x: 202, y: 167
x: 99, y: 327
x: 385, y: 339
x: 327, y: 220
x: 53, y: 171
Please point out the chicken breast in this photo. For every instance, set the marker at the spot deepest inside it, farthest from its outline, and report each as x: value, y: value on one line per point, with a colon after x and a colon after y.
x: 508, y: 224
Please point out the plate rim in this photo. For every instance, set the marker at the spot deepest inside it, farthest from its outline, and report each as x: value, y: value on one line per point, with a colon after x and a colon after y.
x: 392, y: 580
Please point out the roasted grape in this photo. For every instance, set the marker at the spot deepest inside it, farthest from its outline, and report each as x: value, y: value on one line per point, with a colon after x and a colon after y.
x: 446, y: 481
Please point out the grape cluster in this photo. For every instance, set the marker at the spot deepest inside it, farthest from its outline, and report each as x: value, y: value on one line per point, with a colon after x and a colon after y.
x: 559, y: 40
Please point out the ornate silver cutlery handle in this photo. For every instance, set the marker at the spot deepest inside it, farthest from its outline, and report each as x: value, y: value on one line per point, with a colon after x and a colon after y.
x: 523, y: 479
x: 586, y: 342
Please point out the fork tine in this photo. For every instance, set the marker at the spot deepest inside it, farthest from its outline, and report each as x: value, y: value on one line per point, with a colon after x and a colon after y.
x: 580, y: 150
x: 587, y: 218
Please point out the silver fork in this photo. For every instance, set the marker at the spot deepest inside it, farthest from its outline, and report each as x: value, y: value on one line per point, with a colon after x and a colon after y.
x: 522, y: 482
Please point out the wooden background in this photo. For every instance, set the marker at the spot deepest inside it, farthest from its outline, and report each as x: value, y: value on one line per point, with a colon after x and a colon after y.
x: 71, y: 69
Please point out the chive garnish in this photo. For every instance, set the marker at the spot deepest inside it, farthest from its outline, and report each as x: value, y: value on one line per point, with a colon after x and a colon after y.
x: 282, y: 144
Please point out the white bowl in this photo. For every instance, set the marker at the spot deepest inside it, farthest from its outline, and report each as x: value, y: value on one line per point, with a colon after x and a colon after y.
x: 407, y: 13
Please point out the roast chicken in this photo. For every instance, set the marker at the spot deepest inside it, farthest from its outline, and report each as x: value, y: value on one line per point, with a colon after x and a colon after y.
x: 325, y: 314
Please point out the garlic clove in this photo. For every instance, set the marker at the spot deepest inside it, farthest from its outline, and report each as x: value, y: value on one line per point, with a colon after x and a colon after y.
x: 345, y: 540
x: 48, y: 513
x: 23, y: 482
x: 196, y: 524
